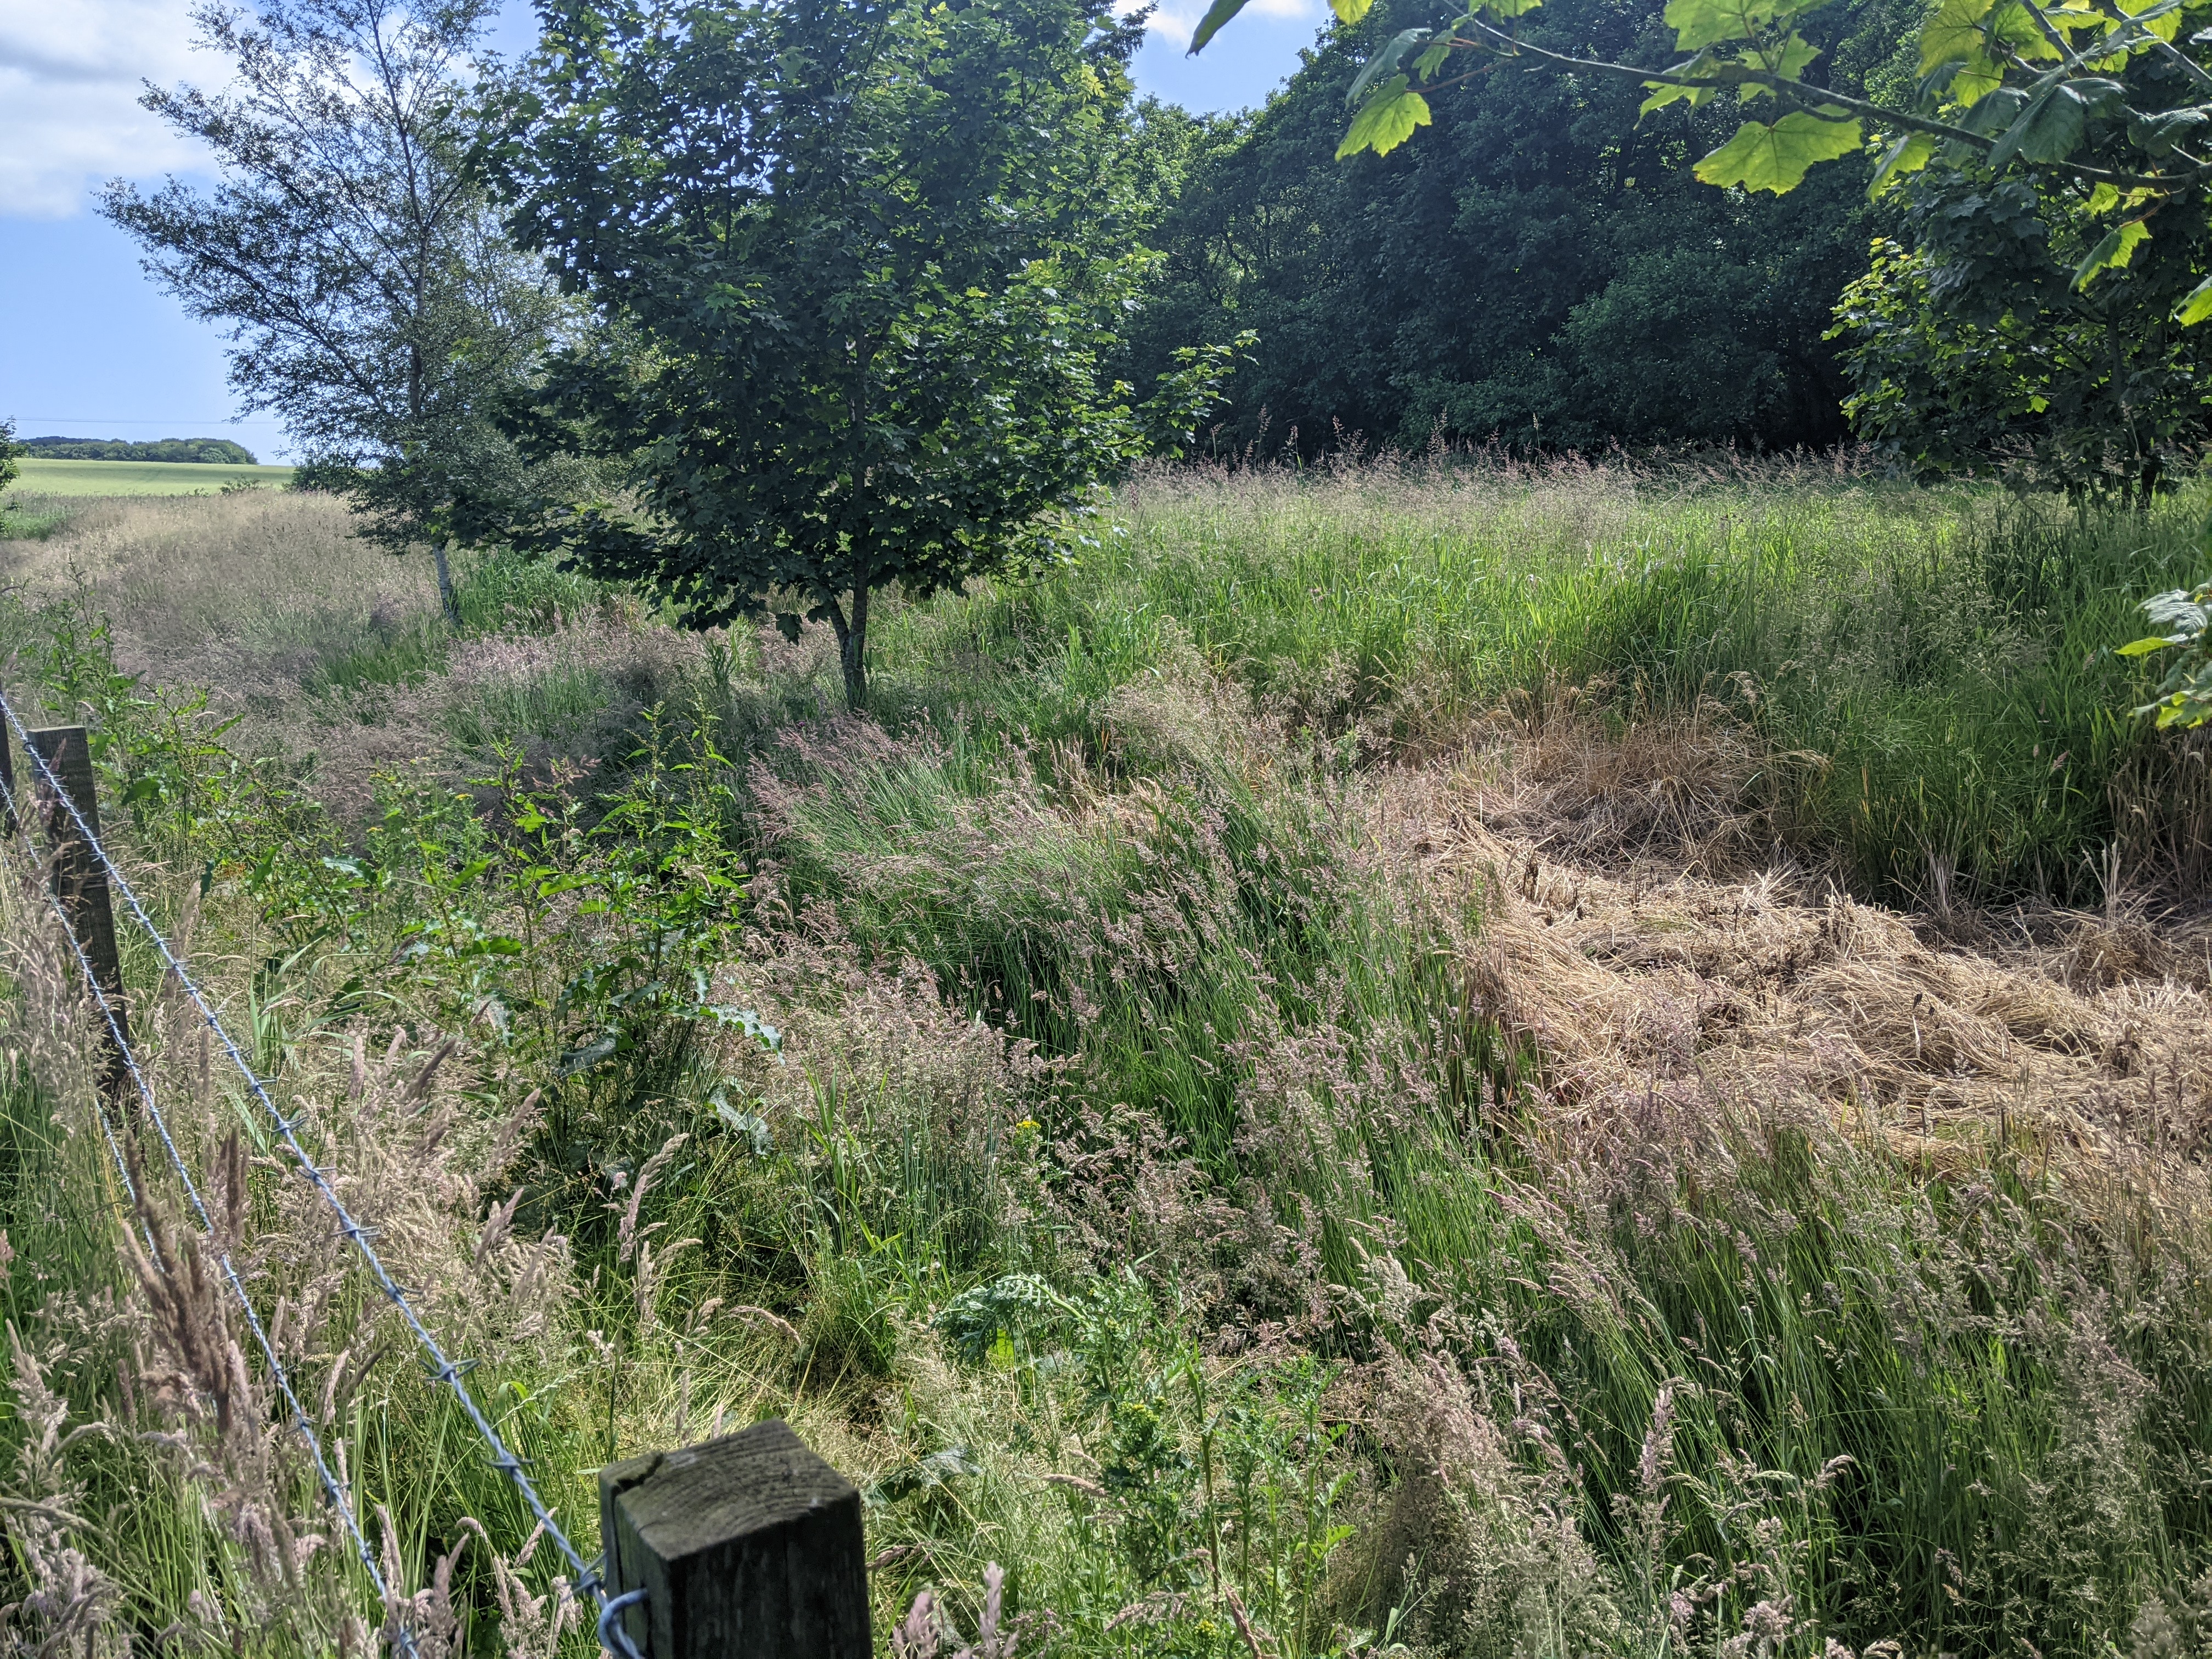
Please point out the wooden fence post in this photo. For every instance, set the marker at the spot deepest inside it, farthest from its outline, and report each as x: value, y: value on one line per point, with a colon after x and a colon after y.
x: 78, y: 880
x: 746, y: 1548
x: 8, y: 780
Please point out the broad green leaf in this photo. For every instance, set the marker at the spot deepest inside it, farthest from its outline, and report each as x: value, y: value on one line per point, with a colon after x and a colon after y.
x: 1387, y: 120
x: 2048, y: 128
x: 1350, y: 11
x: 2143, y: 647
x: 1210, y: 25
x: 1954, y: 34
x: 1977, y: 77
x: 1663, y: 94
x: 2104, y: 198
x: 2115, y: 247
x: 1788, y: 61
x: 2160, y: 133
x: 2014, y: 27
x: 1707, y: 23
x: 2195, y: 305
x: 1432, y: 59
x: 1384, y: 62
x: 1777, y: 157
x: 1909, y: 154
x: 1508, y: 9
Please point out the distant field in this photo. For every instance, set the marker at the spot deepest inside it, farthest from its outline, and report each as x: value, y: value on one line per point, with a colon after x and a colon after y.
x: 37, y: 477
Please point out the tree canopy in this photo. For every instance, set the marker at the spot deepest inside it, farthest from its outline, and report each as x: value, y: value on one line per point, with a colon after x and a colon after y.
x: 863, y: 262
x: 187, y: 451
x: 1539, y: 266
x: 374, y: 302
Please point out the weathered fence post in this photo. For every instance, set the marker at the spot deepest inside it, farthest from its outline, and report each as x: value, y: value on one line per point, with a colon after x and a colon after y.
x: 79, y: 881
x: 7, y: 782
x: 746, y: 1548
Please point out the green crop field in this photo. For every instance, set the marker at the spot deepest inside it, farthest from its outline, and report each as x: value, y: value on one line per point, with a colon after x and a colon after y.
x: 37, y: 477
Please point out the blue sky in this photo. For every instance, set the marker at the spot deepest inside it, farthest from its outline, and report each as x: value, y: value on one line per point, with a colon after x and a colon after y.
x: 89, y: 348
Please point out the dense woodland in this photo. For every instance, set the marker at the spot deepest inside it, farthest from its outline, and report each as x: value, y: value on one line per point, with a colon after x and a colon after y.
x: 1541, y: 269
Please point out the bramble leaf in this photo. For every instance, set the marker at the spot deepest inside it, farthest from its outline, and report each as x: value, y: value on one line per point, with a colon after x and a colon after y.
x: 1387, y: 120
x: 1777, y: 157
x: 1707, y: 23
x: 2115, y: 247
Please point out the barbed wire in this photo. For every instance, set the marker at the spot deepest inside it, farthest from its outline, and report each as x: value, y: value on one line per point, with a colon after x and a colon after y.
x: 402, y: 1638
x: 444, y: 1369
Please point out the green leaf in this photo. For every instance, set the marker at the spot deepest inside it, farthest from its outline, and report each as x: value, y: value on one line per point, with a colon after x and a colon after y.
x: 2143, y: 647
x: 1777, y: 157
x: 2115, y: 247
x: 1508, y: 9
x: 2104, y: 198
x: 1350, y: 11
x: 1387, y: 120
x: 1796, y: 53
x: 1662, y: 95
x: 1210, y: 25
x: 2196, y: 306
x: 1384, y: 62
x: 1954, y: 34
x: 1707, y: 23
x: 1909, y: 154
x: 2048, y: 128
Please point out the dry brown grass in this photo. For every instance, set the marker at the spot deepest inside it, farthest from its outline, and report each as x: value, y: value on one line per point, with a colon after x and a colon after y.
x: 228, y: 592
x: 1644, y: 933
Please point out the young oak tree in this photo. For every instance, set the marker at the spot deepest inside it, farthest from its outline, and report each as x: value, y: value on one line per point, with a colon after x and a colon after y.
x: 355, y: 258
x: 866, y: 257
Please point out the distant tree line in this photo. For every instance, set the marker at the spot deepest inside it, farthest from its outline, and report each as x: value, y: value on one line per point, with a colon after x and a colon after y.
x: 208, y: 451
x: 1542, y: 268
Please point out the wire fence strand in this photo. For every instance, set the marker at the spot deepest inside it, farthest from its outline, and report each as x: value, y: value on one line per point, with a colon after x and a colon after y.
x: 402, y: 1638
x: 444, y: 1368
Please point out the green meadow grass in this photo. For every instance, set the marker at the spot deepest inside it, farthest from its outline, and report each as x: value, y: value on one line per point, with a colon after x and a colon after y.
x: 1138, y: 1139
x: 73, y: 479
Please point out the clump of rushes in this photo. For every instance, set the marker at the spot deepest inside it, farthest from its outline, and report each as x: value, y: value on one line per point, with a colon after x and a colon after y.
x: 1334, y: 1079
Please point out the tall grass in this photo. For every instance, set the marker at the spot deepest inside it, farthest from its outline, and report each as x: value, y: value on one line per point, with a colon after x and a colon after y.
x: 1945, y: 656
x: 1128, y: 1162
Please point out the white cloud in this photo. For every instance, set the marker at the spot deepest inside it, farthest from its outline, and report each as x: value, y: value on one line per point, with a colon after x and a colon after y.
x: 70, y: 74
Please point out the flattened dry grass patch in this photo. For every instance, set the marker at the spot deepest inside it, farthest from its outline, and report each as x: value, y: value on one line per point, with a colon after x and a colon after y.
x: 1645, y: 932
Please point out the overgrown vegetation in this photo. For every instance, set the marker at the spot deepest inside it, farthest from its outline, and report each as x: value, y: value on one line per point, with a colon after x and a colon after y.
x: 1326, y: 1080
